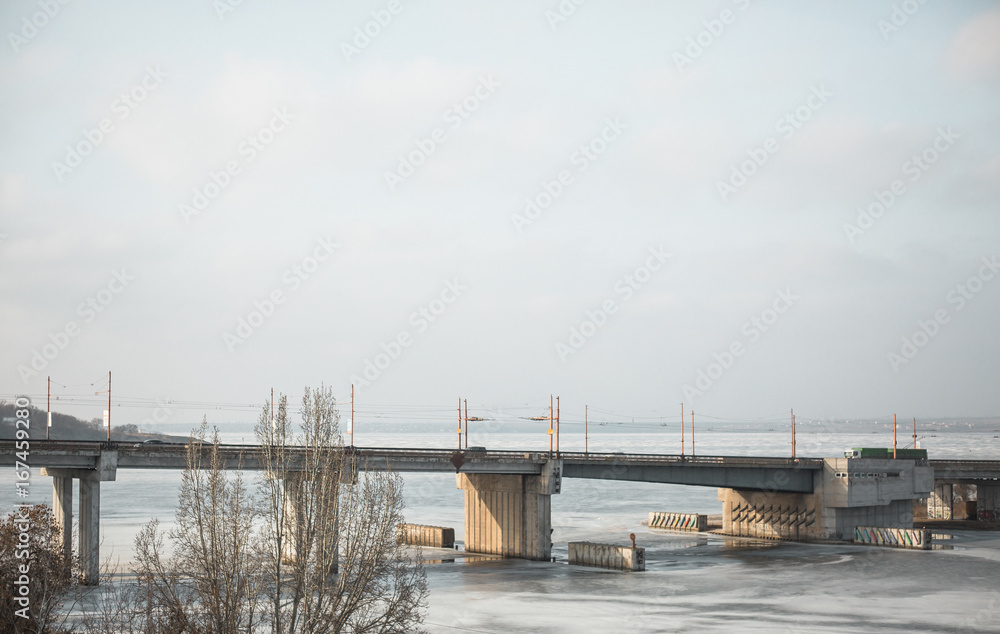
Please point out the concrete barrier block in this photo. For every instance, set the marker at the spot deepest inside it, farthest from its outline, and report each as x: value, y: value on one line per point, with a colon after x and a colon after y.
x: 423, y: 535
x: 678, y: 521
x: 610, y: 556
x: 919, y: 538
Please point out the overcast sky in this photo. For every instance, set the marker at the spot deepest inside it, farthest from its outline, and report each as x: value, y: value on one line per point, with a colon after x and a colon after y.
x: 742, y: 206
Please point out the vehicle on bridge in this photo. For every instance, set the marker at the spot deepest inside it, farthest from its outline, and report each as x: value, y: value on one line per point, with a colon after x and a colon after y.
x: 886, y: 452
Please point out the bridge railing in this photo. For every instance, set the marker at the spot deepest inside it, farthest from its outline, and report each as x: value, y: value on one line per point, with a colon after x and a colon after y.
x: 501, y: 455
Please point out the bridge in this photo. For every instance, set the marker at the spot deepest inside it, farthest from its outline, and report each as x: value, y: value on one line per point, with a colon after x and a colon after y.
x: 508, y: 493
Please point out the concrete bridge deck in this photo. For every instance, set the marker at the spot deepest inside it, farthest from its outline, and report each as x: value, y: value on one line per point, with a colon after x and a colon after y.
x: 745, y: 472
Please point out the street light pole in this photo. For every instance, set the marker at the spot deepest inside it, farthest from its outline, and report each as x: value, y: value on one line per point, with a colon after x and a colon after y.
x: 109, y: 406
x: 793, y: 433
x: 893, y: 436
x: 550, y: 425
x: 682, y: 431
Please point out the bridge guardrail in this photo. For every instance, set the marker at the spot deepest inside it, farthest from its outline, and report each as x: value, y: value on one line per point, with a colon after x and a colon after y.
x: 497, y: 455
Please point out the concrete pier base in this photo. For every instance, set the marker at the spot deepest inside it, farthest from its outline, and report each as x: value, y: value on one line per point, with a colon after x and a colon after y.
x: 510, y: 515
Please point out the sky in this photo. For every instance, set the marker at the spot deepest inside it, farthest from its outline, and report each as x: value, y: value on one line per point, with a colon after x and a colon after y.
x: 744, y: 207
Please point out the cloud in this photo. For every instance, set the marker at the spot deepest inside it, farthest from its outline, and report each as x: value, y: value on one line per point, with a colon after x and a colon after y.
x: 974, y: 53
x: 12, y: 193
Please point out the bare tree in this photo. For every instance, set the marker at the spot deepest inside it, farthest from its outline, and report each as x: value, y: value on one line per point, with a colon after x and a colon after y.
x: 315, y: 552
x: 212, y: 580
x: 329, y: 536
x: 36, y: 575
x: 120, y: 607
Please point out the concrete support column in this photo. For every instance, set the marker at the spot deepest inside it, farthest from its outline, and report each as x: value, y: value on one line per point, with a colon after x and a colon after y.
x: 961, y: 494
x: 90, y: 528
x: 510, y: 515
x: 940, y: 501
x: 62, y: 509
x: 988, y: 502
x: 324, y: 540
x: 291, y: 526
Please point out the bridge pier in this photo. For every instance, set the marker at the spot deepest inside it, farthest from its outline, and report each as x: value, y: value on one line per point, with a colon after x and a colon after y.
x: 847, y: 493
x: 90, y: 528
x: 988, y: 502
x: 768, y: 515
x: 89, y: 512
x: 324, y: 540
x: 62, y: 510
x: 510, y: 514
x: 940, y: 502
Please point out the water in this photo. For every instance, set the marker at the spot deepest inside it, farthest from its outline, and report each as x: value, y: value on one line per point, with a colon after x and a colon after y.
x: 709, y: 583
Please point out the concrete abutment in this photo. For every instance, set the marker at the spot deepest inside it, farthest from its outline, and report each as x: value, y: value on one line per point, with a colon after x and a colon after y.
x: 847, y: 493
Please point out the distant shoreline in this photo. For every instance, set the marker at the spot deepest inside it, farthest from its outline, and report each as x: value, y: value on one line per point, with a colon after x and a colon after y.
x: 66, y: 427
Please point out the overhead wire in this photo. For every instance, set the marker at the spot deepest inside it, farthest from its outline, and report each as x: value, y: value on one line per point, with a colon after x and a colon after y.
x: 494, y: 412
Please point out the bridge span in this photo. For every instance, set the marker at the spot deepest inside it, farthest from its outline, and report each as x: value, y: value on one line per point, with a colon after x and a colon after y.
x: 743, y: 472
x: 508, y: 493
